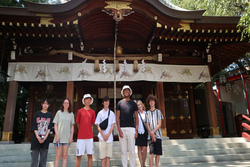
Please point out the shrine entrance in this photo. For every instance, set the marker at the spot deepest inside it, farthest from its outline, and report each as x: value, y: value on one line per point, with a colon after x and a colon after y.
x: 179, y: 110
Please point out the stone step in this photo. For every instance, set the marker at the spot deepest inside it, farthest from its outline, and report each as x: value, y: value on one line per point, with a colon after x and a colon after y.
x: 166, y: 153
x: 195, y: 162
x: 202, y: 164
x: 195, y: 157
x: 170, y: 150
x: 165, y: 141
x: 174, y: 144
x: 175, y: 152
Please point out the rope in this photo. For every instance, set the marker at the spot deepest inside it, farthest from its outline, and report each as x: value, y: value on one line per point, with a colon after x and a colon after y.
x: 53, y: 52
x: 116, y: 32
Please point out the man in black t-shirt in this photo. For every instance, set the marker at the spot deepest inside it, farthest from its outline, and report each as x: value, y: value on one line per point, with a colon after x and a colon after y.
x: 127, y: 124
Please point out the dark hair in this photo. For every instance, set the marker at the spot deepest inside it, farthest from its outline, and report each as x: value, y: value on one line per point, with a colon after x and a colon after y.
x: 151, y: 97
x: 106, y: 98
x: 45, y: 100
x: 62, y: 108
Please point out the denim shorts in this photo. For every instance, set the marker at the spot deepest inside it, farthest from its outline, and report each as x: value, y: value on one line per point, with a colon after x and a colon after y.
x: 62, y: 144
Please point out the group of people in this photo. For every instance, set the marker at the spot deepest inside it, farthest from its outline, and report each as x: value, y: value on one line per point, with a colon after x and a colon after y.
x: 135, y: 125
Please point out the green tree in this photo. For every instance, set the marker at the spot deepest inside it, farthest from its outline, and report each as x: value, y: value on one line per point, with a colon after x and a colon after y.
x: 3, y: 101
x: 19, y: 3
x: 214, y: 7
x: 244, y: 23
x: 221, y: 8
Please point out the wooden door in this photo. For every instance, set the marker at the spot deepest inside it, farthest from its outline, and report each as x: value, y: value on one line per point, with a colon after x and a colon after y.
x: 178, y: 111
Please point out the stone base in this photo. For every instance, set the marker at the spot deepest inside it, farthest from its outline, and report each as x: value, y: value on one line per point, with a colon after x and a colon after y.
x: 165, y: 138
x: 215, y: 136
x: 7, y: 142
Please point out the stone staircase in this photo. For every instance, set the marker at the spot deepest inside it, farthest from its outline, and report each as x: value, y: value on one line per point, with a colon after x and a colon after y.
x: 182, y: 152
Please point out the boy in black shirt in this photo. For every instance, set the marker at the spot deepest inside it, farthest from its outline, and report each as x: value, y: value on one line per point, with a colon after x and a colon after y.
x: 41, y: 126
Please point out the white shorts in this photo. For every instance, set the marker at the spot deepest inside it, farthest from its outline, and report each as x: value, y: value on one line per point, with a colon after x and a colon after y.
x: 84, y: 144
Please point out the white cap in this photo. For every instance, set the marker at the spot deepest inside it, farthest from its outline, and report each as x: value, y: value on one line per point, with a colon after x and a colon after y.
x: 87, y: 96
x: 126, y: 87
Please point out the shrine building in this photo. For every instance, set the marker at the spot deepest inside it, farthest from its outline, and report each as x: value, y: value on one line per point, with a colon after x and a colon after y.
x: 97, y: 46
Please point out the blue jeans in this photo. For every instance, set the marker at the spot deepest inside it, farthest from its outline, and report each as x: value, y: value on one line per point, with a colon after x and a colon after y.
x: 43, y: 157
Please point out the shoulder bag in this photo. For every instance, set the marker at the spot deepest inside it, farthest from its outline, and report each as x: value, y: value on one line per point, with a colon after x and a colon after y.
x: 104, y: 124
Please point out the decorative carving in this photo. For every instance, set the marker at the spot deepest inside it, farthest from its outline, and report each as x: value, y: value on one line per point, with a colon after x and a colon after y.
x: 173, y: 132
x: 118, y: 9
x: 117, y: 5
x: 184, y: 26
x: 46, y: 21
x: 182, y: 131
x: 172, y: 117
x: 181, y: 117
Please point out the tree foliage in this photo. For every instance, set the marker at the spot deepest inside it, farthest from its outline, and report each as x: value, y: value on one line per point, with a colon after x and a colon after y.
x: 19, y: 3
x: 244, y: 23
x: 221, y: 8
x: 3, y: 101
x: 214, y: 7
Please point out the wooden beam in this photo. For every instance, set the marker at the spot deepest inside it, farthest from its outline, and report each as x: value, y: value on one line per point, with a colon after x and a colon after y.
x: 70, y: 93
x: 212, y: 115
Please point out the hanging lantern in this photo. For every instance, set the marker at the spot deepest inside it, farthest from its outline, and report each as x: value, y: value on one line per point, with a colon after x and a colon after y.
x: 135, y: 67
x: 96, y: 67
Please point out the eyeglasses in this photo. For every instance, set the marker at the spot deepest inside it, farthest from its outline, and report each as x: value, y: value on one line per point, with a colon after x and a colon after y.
x: 66, y: 103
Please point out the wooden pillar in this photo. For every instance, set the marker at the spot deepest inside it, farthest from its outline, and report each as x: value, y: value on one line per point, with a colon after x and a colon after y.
x: 214, y: 128
x: 10, y: 112
x: 31, y: 112
x: 192, y: 108
x: 70, y: 93
x: 161, y: 100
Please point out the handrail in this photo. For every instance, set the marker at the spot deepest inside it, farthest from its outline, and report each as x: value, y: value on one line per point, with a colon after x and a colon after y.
x: 247, y: 126
x: 246, y: 117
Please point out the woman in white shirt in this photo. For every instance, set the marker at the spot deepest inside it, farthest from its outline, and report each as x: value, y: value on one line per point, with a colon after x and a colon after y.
x: 141, y: 140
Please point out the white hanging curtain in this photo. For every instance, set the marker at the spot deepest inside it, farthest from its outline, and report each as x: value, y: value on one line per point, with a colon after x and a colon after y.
x: 38, y: 72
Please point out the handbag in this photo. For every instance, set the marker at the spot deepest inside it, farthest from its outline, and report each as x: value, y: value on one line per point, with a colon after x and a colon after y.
x: 104, y: 124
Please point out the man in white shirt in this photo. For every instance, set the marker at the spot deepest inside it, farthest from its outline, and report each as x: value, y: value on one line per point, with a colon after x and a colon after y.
x: 105, y: 135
